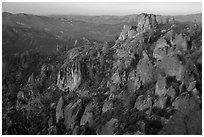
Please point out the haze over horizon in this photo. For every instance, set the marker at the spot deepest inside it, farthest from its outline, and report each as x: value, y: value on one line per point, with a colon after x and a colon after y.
x: 103, y: 8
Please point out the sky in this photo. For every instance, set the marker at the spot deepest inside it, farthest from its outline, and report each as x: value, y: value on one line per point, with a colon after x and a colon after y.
x: 103, y: 8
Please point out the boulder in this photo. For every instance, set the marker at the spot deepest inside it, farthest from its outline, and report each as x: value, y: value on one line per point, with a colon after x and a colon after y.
x: 144, y: 74
x: 176, y: 68
x: 143, y: 102
x: 88, y: 115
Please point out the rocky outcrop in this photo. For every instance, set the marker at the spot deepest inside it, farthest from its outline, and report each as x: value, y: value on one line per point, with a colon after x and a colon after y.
x: 171, y: 43
x: 146, y: 22
x: 128, y: 32
x: 135, y: 86
x: 176, y: 68
x: 69, y: 77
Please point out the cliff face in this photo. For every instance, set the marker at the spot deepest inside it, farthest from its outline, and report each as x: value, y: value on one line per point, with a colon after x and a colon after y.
x: 69, y: 77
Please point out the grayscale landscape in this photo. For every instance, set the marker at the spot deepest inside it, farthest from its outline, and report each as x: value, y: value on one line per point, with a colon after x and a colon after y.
x: 77, y: 74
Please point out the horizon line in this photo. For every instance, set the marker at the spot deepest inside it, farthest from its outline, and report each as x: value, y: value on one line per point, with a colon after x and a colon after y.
x: 95, y: 15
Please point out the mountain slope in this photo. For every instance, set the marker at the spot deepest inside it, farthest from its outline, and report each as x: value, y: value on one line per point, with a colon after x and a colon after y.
x: 106, y: 19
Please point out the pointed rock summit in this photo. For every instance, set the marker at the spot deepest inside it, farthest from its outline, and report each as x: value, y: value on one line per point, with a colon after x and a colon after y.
x: 146, y: 22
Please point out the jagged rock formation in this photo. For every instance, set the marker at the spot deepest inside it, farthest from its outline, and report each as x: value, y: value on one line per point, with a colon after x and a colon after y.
x: 144, y: 83
x: 146, y: 22
x: 69, y: 77
x: 135, y: 66
x: 127, y: 32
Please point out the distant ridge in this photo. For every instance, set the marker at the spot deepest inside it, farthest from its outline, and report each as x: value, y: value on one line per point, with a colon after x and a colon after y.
x: 115, y: 19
